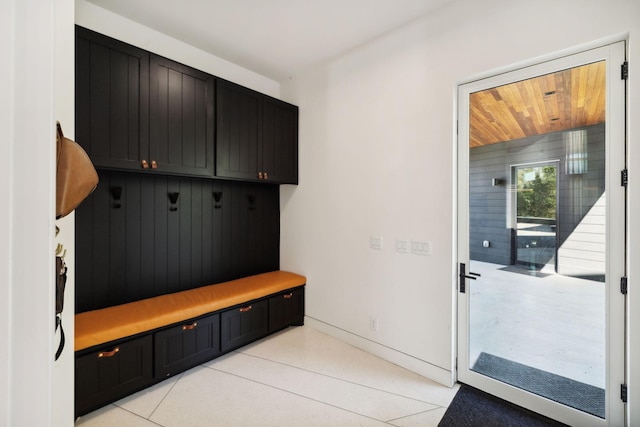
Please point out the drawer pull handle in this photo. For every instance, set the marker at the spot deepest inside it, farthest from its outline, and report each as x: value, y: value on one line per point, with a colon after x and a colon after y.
x: 259, y: 175
x: 189, y: 327
x: 154, y: 164
x: 288, y: 296
x: 145, y: 164
x: 265, y: 175
x: 245, y: 309
x: 109, y: 353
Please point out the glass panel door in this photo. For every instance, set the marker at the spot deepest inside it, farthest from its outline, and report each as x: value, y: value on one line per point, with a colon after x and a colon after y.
x: 538, y: 235
x: 536, y: 208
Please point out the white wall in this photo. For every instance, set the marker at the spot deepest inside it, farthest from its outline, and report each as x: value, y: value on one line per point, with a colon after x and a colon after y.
x: 7, y: 34
x: 64, y: 110
x: 105, y: 22
x: 377, y: 158
x: 26, y: 219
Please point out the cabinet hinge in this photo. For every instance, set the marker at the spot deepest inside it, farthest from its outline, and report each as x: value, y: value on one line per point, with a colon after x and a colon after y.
x: 624, y: 70
x: 623, y: 393
x: 624, y: 177
x: 623, y: 285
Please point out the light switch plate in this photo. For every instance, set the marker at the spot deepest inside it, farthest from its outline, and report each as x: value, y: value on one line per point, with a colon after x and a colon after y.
x: 402, y: 246
x: 420, y: 247
x: 376, y: 242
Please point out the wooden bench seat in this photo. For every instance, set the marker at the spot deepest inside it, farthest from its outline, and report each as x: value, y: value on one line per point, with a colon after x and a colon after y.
x: 97, y: 327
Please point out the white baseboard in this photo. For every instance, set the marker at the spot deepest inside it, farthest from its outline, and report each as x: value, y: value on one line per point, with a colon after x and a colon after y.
x: 432, y: 372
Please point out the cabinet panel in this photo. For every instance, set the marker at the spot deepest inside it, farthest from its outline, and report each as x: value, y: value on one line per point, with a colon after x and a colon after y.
x: 256, y: 136
x: 138, y: 111
x: 240, y: 326
x: 112, y: 90
x: 111, y: 373
x: 139, y: 248
x: 286, y: 309
x: 185, y: 346
x: 280, y: 141
x: 237, y: 131
x: 181, y: 118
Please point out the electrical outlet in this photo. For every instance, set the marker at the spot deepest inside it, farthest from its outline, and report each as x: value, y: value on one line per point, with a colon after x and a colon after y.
x: 373, y: 323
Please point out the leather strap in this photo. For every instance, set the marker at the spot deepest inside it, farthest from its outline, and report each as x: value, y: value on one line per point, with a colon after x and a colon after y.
x: 61, y: 345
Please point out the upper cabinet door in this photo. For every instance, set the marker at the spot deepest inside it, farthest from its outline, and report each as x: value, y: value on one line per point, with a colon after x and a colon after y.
x: 139, y: 111
x: 181, y: 119
x: 237, y: 131
x: 256, y: 136
x: 111, y: 95
x: 279, y: 141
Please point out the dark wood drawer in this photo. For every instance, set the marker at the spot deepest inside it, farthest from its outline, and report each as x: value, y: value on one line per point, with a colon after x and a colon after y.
x: 110, y: 373
x: 241, y: 325
x: 185, y: 346
x: 286, y: 309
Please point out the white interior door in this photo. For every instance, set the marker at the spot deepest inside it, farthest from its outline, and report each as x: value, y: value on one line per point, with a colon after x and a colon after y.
x: 541, y: 222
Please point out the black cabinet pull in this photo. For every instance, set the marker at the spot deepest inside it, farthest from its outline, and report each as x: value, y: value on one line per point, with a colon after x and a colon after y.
x: 288, y: 296
x: 245, y: 309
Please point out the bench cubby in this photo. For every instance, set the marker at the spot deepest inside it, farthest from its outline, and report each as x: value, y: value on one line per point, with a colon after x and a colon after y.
x: 244, y: 324
x: 115, y: 370
x: 183, y: 346
x: 123, y: 349
x: 286, y: 309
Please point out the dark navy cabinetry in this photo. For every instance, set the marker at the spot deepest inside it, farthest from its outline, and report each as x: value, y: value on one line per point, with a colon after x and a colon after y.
x: 138, y: 111
x: 188, y: 164
x: 112, y: 371
x: 109, y: 373
x: 112, y: 100
x: 244, y: 324
x: 186, y: 345
x: 256, y: 136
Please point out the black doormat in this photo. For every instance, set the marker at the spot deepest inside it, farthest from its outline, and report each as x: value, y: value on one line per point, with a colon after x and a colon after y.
x: 471, y: 407
x: 575, y: 394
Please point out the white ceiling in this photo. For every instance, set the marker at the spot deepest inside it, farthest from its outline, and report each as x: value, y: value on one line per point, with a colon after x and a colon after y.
x: 275, y: 38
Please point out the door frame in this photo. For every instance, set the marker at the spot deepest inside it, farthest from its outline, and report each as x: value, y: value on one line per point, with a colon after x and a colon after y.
x: 614, y: 52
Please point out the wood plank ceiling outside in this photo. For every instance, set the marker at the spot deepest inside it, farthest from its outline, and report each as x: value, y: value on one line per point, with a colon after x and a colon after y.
x: 554, y: 102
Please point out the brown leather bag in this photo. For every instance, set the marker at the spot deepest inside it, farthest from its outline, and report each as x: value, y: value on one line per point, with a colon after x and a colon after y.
x: 76, y: 177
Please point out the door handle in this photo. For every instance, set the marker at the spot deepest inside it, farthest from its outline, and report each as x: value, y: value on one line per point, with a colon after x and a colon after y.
x: 464, y: 276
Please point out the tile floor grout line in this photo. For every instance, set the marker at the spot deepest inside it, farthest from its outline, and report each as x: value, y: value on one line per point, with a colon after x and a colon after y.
x: 137, y: 415
x: 301, y: 395
x: 337, y: 378
x: 179, y: 377
x: 417, y: 413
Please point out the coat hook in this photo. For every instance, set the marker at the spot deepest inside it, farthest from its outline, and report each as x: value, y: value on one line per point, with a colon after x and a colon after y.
x: 252, y: 202
x: 173, y: 198
x: 116, y: 193
x: 61, y: 251
x: 217, y: 197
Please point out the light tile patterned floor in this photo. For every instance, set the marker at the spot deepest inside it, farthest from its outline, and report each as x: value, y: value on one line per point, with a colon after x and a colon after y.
x: 298, y: 377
